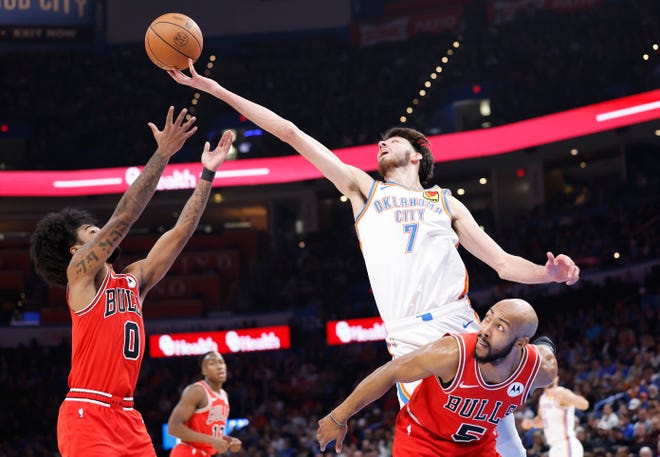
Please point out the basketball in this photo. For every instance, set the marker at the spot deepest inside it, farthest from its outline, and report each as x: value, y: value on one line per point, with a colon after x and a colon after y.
x: 171, y: 39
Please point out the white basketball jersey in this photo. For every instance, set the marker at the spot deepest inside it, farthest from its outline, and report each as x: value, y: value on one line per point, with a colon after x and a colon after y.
x: 410, y: 250
x: 558, y: 421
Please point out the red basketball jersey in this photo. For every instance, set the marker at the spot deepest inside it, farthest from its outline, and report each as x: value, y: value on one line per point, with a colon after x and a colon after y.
x: 211, y: 419
x: 468, y: 410
x: 107, y: 338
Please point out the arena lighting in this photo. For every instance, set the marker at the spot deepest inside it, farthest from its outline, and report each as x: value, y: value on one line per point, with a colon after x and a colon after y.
x: 361, y: 330
x: 574, y: 123
x: 434, y: 76
x: 229, y: 341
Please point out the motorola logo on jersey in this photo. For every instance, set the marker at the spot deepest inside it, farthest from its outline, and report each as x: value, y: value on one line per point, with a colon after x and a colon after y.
x: 515, y: 389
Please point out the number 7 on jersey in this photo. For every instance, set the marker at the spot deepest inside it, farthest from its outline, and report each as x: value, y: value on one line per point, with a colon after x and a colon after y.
x: 411, y: 230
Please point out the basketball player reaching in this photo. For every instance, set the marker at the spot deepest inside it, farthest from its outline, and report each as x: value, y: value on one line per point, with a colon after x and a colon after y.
x: 556, y: 415
x: 107, y: 336
x: 470, y: 382
x: 408, y: 235
x: 200, y: 417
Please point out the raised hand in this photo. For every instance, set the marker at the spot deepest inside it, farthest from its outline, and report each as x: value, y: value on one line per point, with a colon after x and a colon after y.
x: 562, y: 269
x: 174, y: 133
x: 194, y: 80
x: 212, y: 159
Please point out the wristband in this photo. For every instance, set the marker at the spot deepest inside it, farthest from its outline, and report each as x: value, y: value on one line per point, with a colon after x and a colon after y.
x: 337, y: 423
x: 207, y: 175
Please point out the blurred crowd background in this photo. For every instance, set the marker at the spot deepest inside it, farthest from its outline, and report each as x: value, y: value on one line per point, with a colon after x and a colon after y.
x: 86, y: 108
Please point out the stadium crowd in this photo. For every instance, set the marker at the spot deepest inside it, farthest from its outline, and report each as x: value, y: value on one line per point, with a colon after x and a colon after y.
x: 614, y: 363
x: 537, y: 63
x: 607, y: 331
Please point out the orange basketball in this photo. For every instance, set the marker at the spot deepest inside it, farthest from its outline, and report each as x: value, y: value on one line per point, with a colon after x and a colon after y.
x: 171, y: 39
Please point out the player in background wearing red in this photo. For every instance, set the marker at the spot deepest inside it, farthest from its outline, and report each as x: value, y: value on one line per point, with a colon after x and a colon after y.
x: 200, y: 417
x: 97, y: 418
x: 409, y: 235
x: 470, y: 382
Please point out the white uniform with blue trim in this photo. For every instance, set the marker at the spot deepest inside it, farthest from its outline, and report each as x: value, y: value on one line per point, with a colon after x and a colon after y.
x: 559, y: 428
x: 418, y: 278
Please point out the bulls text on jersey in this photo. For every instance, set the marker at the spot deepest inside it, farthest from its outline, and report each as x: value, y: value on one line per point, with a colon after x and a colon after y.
x: 121, y: 300
x: 478, y: 409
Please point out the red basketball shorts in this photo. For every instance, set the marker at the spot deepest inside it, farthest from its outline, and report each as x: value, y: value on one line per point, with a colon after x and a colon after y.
x: 186, y: 450
x: 410, y: 439
x: 86, y: 429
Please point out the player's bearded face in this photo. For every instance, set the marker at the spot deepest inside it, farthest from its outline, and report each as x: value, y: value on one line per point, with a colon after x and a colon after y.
x: 393, y: 160
x: 491, y: 354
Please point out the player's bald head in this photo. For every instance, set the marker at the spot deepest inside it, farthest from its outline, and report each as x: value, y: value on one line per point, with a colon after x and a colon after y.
x: 520, y: 314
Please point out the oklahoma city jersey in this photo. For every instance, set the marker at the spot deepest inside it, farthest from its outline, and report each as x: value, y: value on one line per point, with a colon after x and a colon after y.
x: 463, y: 415
x: 558, y: 421
x: 410, y: 250
x: 212, y: 419
x: 107, y: 339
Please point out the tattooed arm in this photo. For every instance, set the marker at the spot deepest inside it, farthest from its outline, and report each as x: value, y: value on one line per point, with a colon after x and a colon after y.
x: 161, y: 256
x: 86, y: 269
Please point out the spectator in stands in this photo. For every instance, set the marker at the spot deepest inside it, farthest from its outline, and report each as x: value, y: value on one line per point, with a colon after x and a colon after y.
x: 608, y: 418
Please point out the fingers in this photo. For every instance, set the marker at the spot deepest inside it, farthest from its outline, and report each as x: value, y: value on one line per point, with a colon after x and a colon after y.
x: 154, y: 129
x: 551, y: 257
x: 189, y: 122
x: 170, y: 116
x: 207, y: 147
x: 191, y: 67
x: 181, y: 117
x: 226, y: 139
x: 190, y: 132
x: 574, y: 274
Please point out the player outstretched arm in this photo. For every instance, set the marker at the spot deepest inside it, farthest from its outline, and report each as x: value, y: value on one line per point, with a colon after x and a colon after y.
x: 161, y: 256
x: 439, y: 358
x: 509, y: 267
x: 566, y: 397
x: 88, y: 260
x: 351, y: 181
